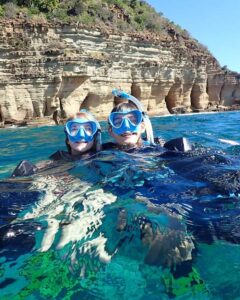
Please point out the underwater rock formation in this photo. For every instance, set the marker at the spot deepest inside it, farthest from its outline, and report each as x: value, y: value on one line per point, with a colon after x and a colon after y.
x: 47, y: 69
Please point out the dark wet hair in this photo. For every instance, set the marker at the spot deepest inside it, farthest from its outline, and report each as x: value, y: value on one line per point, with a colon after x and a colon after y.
x: 124, y: 107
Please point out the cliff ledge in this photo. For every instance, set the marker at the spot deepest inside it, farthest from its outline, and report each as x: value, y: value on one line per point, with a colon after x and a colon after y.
x: 48, y: 69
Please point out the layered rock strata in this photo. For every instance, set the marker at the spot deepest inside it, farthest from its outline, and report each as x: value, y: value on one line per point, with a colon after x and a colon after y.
x: 48, y: 69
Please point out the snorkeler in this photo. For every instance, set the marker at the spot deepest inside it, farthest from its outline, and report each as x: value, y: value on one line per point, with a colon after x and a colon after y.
x: 83, y: 136
x: 83, y: 140
x: 166, y: 245
x: 128, y: 122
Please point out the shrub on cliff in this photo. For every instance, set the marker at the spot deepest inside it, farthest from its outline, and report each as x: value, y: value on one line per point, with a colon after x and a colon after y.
x: 124, y: 15
x: 9, y: 10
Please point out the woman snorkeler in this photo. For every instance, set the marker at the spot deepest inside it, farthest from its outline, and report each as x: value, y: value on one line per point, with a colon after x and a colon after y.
x: 83, y: 140
x: 83, y: 136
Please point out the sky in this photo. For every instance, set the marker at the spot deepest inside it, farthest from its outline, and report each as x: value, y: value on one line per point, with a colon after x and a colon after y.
x: 214, y: 23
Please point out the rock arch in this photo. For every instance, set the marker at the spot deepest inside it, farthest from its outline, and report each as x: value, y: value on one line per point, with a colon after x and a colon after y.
x: 1, y: 115
x: 136, y: 90
x: 174, y: 96
x: 236, y: 95
x: 199, y: 96
x: 91, y: 102
x: 227, y: 95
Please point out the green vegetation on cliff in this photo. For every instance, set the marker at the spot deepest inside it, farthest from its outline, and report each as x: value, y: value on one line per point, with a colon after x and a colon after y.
x: 123, y: 15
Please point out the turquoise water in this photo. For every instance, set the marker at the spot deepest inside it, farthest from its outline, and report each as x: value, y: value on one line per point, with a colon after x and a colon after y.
x: 124, y: 225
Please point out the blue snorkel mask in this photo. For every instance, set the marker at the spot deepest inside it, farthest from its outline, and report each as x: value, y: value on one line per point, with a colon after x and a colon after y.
x: 131, y: 125
x: 84, y: 129
x: 80, y: 130
x: 128, y: 121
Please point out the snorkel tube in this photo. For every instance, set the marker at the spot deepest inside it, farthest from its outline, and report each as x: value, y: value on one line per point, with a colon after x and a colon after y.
x: 149, y: 131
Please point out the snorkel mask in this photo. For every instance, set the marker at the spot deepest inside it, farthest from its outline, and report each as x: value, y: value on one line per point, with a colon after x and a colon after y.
x: 80, y: 130
x: 83, y: 129
x: 122, y: 122
x: 127, y: 123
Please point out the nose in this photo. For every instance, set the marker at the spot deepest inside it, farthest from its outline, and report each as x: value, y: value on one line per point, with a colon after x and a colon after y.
x: 126, y: 123
x: 81, y: 131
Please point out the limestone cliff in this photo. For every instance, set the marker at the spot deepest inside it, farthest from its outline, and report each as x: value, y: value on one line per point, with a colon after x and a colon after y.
x: 47, y: 68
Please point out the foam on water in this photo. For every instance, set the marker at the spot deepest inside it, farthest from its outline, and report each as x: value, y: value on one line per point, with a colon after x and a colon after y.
x: 230, y: 142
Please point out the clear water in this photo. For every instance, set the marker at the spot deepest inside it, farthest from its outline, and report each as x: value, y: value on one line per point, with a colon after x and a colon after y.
x: 124, y: 225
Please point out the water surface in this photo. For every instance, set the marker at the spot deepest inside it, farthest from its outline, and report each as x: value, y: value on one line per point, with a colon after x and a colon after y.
x: 124, y: 225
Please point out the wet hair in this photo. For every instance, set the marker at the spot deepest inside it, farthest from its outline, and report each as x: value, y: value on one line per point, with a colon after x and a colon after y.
x: 97, y: 145
x: 124, y: 106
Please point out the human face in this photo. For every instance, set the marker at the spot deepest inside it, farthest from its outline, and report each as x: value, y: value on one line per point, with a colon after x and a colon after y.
x: 127, y: 121
x: 128, y: 138
x: 80, y: 147
x: 80, y: 133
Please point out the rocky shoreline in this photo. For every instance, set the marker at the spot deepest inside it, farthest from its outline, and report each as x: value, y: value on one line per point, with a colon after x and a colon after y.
x: 48, y: 121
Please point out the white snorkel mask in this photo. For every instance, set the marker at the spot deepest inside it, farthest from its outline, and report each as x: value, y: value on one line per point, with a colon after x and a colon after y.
x: 149, y: 131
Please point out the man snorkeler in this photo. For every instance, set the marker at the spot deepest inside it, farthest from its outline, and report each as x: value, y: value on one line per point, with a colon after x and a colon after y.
x: 128, y: 122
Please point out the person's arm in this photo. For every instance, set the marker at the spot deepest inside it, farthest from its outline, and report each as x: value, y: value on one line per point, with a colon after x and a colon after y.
x: 24, y: 168
x: 179, y: 144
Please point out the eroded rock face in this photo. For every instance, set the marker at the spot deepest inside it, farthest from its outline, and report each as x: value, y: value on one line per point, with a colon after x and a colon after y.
x: 224, y: 88
x: 44, y: 69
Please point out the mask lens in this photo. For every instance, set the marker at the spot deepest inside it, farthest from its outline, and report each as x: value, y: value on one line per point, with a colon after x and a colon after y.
x: 74, y: 129
x: 134, y: 116
x: 117, y: 119
x: 87, y: 126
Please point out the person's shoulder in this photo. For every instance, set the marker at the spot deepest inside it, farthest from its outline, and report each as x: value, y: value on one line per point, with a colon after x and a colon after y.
x: 148, y: 147
x: 65, y: 156
x: 180, y: 144
x: 24, y: 168
x: 61, y: 155
x: 109, y: 146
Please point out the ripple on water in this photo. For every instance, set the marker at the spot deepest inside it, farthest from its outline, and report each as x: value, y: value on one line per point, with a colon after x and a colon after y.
x: 124, y: 226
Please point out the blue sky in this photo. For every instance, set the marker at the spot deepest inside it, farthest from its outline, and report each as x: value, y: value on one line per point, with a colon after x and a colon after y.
x: 214, y: 23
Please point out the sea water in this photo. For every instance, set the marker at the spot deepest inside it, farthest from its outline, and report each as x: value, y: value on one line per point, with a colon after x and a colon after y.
x: 124, y: 225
